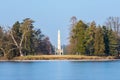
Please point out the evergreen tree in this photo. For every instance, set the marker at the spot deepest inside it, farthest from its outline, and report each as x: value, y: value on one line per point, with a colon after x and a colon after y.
x: 112, y: 42
x: 16, y: 30
x: 79, y: 37
x: 71, y: 49
x: 99, y: 45
x: 90, y: 36
x: 106, y: 41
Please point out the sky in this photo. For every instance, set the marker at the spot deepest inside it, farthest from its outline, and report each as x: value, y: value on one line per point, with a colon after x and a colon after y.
x: 51, y: 15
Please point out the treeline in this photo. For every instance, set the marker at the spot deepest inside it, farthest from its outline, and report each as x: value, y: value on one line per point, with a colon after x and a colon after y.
x: 22, y: 39
x: 94, y: 40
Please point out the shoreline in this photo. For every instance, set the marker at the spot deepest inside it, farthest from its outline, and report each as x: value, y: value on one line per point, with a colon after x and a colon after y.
x: 36, y: 58
x: 85, y: 60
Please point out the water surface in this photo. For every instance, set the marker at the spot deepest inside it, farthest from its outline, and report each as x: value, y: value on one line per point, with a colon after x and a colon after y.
x: 60, y: 70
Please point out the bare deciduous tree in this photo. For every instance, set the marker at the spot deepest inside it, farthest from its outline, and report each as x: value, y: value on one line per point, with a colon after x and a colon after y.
x: 18, y: 45
x: 114, y: 24
x: 25, y: 28
x: 72, y: 44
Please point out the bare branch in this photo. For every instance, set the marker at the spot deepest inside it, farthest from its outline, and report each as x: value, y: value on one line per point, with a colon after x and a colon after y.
x: 11, y: 49
x: 3, y: 50
x: 11, y: 34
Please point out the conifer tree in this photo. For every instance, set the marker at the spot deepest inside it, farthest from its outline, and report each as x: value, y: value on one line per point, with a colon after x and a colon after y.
x: 90, y: 36
x: 106, y: 41
x: 16, y: 31
x: 79, y: 37
x: 71, y: 46
x: 99, y: 45
x: 112, y: 42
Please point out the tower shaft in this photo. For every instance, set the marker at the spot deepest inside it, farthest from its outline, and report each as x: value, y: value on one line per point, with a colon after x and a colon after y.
x: 59, y: 50
x: 59, y: 43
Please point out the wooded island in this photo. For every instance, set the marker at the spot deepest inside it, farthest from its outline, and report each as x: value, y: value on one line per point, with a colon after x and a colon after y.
x: 85, y: 39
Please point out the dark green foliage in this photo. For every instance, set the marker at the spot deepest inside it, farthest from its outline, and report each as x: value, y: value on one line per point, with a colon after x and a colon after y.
x: 99, y: 44
x: 79, y: 36
x: 106, y: 41
x: 90, y: 36
x: 89, y: 39
x: 113, y: 42
x: 16, y: 30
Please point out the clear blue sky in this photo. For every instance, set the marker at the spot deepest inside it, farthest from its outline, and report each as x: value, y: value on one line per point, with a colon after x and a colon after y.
x: 51, y: 15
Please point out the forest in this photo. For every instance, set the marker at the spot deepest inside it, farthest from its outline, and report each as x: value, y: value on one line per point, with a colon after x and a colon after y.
x: 94, y: 40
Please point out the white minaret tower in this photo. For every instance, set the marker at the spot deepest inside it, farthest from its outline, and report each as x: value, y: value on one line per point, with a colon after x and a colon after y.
x: 59, y: 50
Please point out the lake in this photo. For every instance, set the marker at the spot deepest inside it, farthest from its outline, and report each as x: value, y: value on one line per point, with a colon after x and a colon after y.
x: 60, y: 70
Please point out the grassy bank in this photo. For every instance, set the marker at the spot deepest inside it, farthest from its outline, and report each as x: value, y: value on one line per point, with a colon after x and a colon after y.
x: 63, y: 57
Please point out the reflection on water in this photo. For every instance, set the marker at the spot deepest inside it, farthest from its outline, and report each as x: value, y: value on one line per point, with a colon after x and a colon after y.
x: 60, y: 70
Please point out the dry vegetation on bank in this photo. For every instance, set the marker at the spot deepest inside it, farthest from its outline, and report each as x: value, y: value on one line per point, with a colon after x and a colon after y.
x: 63, y: 57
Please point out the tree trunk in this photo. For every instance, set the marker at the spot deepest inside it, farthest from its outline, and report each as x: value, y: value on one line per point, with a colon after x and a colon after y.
x: 20, y: 50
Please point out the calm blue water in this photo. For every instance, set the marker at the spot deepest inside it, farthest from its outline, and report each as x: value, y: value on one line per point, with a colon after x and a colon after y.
x: 60, y: 70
